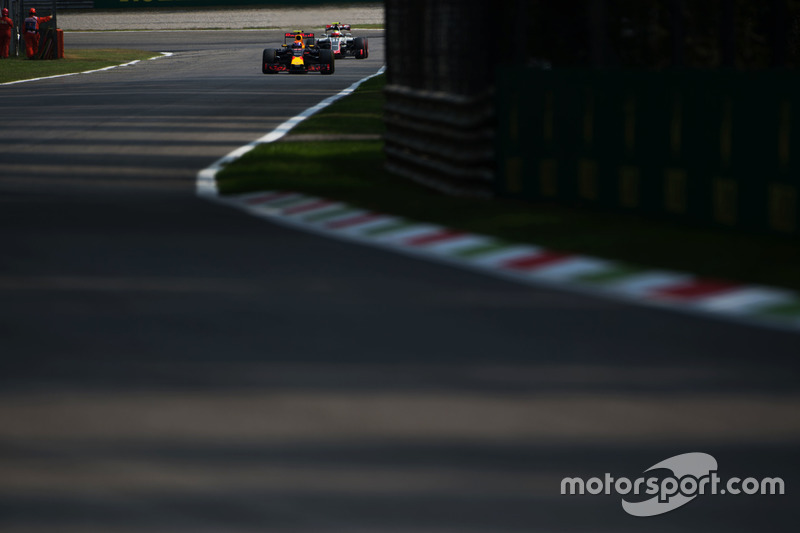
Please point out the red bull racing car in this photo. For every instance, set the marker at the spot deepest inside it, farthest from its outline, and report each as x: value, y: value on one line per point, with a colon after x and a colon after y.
x: 297, y: 55
x: 341, y: 42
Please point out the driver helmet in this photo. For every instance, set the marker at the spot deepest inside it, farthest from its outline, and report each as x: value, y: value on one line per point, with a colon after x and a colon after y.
x: 5, y: 11
x: 297, y: 44
x: 32, y: 11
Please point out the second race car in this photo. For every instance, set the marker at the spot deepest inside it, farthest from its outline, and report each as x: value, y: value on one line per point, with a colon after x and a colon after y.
x: 341, y: 42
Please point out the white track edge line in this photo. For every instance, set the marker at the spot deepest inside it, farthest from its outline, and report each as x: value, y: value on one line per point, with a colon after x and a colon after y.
x: 128, y: 64
x: 206, y: 183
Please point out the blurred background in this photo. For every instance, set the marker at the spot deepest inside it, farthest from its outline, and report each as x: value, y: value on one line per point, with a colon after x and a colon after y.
x: 169, y: 364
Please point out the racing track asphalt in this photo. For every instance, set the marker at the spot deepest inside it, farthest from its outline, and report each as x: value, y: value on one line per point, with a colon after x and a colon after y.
x: 172, y: 365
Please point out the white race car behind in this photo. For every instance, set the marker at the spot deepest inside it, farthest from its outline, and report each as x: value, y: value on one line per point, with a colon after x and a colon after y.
x: 341, y: 42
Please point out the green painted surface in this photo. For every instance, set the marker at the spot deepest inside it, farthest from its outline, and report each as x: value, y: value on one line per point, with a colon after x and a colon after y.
x: 789, y: 310
x: 318, y: 217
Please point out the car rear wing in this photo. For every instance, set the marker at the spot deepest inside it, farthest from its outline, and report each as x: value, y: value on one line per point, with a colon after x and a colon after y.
x: 292, y: 35
x: 345, y: 27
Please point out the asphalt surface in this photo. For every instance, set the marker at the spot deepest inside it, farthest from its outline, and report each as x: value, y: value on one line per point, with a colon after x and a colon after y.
x: 172, y: 365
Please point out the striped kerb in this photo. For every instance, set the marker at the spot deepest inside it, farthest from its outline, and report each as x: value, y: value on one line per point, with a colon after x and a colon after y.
x: 313, y: 206
x: 482, y: 249
x: 353, y: 221
x: 267, y: 198
x: 612, y: 274
x: 433, y: 238
x: 333, y: 213
x: 390, y: 228
x: 534, y: 261
x: 289, y: 202
x: 698, y: 288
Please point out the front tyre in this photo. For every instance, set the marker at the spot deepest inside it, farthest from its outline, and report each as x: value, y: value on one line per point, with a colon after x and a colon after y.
x: 268, y: 57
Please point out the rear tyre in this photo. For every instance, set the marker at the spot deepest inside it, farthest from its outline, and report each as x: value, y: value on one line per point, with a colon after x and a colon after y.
x: 360, y: 44
x: 268, y: 58
x: 326, y: 58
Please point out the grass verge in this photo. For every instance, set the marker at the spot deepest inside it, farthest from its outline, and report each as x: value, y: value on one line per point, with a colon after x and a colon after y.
x: 21, y: 68
x: 352, y: 171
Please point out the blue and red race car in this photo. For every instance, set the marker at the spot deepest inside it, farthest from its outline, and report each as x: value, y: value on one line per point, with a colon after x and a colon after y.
x: 299, y: 56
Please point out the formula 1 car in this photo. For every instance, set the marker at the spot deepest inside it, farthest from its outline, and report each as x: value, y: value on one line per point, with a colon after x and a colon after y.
x: 341, y: 42
x: 298, y: 57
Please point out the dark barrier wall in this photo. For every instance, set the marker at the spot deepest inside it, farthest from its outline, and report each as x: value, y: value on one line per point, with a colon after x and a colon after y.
x: 439, y: 112
x: 681, y: 109
x: 713, y: 146
x: 111, y: 4
x: 665, y: 107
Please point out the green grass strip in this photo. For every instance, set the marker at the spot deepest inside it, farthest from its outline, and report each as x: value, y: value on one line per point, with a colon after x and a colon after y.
x: 21, y: 68
x: 362, y: 115
x: 787, y: 310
